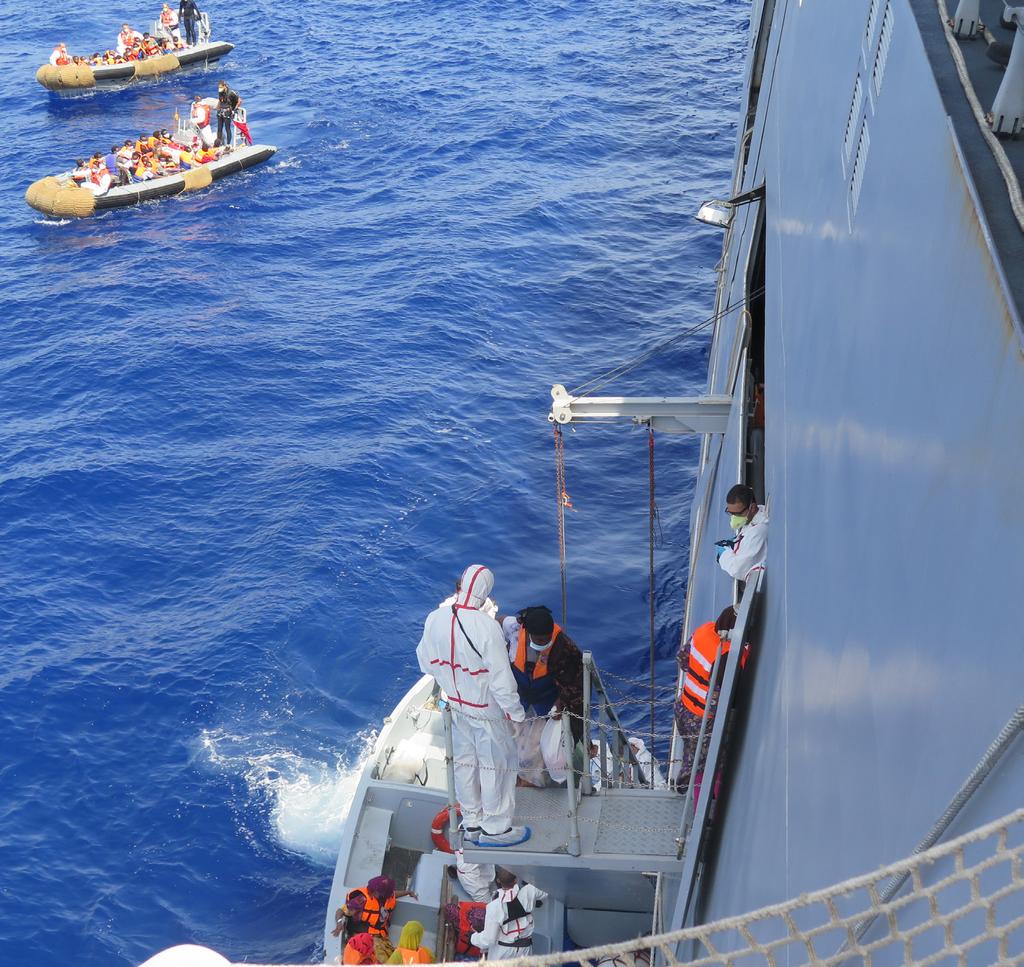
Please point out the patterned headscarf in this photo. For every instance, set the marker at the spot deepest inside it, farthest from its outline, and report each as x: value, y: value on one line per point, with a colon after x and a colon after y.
x: 381, y: 887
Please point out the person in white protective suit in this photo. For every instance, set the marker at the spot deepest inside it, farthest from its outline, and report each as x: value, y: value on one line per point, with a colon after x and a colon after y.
x: 508, y: 920
x: 477, y: 879
x: 747, y: 550
x: 463, y: 650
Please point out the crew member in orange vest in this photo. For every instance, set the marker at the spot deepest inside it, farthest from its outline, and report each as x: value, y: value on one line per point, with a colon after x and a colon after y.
x: 369, y: 908
x: 696, y: 660
x: 547, y: 665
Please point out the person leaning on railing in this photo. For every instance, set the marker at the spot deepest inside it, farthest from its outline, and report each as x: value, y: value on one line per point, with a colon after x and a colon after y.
x: 697, y: 660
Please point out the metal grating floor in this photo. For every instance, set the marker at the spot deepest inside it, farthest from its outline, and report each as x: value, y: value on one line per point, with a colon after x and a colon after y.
x: 545, y: 811
x: 622, y: 829
x: 642, y: 824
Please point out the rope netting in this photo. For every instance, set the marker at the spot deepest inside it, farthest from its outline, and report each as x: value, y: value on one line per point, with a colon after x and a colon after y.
x: 963, y: 904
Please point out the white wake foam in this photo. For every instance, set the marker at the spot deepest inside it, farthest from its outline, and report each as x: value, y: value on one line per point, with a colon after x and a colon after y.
x: 308, y: 799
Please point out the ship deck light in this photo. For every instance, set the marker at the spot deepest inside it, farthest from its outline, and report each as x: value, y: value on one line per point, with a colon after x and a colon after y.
x: 719, y: 212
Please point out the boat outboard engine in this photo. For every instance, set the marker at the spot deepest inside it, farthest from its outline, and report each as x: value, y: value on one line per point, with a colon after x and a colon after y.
x: 159, y: 31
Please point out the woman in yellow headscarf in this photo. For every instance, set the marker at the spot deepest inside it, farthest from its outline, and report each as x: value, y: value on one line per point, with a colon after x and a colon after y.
x: 409, y: 950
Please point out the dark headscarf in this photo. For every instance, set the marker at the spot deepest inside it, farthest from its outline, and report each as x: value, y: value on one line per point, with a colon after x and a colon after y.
x: 538, y: 620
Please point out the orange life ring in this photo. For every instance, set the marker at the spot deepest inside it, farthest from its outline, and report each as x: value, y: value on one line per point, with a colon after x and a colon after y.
x: 439, y: 827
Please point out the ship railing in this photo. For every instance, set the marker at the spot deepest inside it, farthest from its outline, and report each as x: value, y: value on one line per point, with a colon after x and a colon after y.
x: 707, y: 762
x: 612, y: 738
x: 619, y: 764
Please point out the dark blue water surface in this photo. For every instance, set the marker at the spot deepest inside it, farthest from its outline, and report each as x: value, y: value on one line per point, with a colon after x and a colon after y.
x: 248, y: 437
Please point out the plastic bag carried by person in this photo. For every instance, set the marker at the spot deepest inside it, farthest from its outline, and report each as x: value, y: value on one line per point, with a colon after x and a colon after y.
x: 531, y: 759
x: 552, y: 747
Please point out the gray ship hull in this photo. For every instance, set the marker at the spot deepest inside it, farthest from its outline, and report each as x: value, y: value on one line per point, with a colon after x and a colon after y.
x: 886, y: 658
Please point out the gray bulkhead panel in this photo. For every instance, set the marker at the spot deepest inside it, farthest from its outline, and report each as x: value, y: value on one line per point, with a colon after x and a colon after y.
x: 894, y: 402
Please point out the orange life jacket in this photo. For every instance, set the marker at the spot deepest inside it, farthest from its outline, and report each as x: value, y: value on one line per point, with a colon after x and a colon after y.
x: 374, y: 914
x: 353, y: 957
x: 540, y: 669
x: 420, y: 956
x: 62, y: 59
x: 704, y: 646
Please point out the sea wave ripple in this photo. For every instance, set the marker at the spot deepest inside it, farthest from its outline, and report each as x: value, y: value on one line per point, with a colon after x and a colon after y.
x: 250, y: 435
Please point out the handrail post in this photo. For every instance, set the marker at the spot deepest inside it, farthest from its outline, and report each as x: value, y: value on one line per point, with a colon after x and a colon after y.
x: 449, y: 762
x: 585, y: 784
x: 705, y: 787
x: 616, y: 757
x: 570, y: 786
x: 602, y: 742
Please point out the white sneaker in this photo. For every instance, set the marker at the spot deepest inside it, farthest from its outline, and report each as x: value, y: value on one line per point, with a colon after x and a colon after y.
x: 470, y: 834
x: 512, y: 836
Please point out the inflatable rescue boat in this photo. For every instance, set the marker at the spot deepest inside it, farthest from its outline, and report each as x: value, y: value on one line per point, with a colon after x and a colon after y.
x: 59, y: 197
x: 79, y: 78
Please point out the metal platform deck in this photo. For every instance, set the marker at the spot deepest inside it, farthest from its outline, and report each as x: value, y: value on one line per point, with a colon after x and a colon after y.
x: 622, y: 829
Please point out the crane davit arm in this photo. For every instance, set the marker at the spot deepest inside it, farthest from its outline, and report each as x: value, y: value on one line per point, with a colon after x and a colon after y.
x: 668, y: 414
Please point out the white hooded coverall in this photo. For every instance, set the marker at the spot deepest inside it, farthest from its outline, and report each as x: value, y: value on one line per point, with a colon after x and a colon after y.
x: 750, y: 548
x: 502, y: 940
x: 478, y: 681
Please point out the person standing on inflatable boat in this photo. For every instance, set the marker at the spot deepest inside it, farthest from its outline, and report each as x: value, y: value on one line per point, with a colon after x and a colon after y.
x: 188, y: 14
x: 199, y: 114
x: 463, y: 650
x: 227, y: 101
x: 169, y: 21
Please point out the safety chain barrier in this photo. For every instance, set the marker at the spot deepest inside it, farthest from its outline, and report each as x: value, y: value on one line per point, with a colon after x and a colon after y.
x: 964, y: 904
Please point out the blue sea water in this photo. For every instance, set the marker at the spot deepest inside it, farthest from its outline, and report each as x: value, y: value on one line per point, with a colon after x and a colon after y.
x: 249, y: 436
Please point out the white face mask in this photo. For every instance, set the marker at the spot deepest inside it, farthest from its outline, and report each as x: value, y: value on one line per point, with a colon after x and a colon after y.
x: 536, y: 647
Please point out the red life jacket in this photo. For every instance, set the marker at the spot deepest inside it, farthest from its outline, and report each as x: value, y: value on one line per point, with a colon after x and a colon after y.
x: 62, y: 59
x: 704, y: 646
x: 465, y: 930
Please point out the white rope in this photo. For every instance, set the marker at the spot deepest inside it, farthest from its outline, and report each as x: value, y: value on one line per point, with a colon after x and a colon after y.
x: 958, y: 921
x: 1006, y: 169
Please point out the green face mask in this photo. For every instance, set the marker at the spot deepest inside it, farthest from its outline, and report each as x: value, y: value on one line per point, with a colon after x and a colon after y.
x: 736, y: 521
